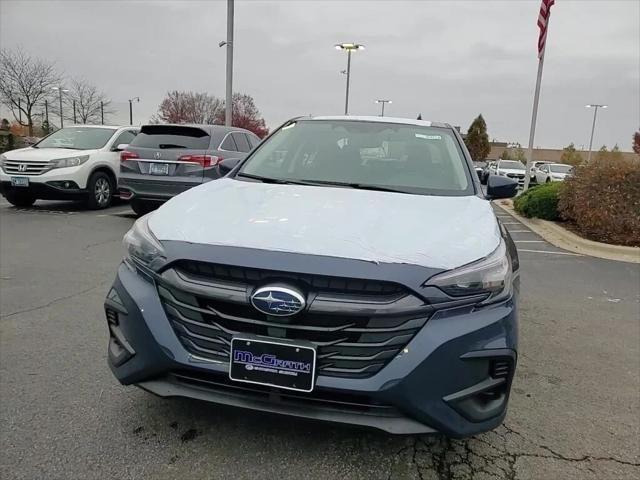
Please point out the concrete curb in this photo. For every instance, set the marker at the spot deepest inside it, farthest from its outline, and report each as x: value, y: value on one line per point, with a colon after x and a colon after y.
x: 563, y: 238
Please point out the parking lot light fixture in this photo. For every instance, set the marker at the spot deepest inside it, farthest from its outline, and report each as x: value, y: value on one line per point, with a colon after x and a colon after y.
x: 381, y: 101
x: 61, y: 90
x: 595, y: 107
x: 348, y: 47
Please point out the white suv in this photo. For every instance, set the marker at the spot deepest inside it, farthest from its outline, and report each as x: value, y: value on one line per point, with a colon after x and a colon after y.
x: 81, y: 162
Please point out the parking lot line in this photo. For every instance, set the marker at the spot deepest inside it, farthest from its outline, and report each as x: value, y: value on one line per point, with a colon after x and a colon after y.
x: 529, y: 241
x: 511, y: 223
x: 550, y: 252
x: 520, y: 231
x: 122, y: 212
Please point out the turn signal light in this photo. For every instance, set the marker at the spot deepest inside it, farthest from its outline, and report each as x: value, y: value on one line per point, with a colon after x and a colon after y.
x: 203, y: 160
x: 127, y: 155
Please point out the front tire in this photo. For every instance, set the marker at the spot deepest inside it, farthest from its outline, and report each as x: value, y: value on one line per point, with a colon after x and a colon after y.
x: 20, y: 199
x: 141, y: 207
x: 100, y: 191
x: 548, y: 180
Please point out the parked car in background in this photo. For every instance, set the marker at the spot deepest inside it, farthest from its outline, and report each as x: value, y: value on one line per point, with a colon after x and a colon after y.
x: 512, y: 169
x: 553, y: 172
x: 490, y: 168
x: 80, y: 162
x: 165, y: 160
x: 534, y: 169
x: 349, y: 269
x: 479, y: 167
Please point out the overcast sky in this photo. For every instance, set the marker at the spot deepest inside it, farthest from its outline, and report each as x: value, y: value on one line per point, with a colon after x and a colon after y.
x: 448, y: 60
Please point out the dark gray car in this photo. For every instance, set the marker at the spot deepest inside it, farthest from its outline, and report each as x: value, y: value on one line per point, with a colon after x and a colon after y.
x: 165, y: 160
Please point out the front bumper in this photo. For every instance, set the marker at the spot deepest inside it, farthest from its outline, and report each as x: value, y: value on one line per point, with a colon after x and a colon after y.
x: 441, y: 382
x: 56, y: 190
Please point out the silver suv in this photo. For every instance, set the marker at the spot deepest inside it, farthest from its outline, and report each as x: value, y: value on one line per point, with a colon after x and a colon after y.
x: 165, y: 160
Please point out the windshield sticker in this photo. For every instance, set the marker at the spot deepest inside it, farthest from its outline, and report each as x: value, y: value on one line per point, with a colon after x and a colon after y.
x: 428, y: 137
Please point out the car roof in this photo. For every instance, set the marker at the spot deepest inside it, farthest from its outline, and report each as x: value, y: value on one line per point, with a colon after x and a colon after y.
x: 114, y: 127
x: 371, y: 118
x: 563, y: 164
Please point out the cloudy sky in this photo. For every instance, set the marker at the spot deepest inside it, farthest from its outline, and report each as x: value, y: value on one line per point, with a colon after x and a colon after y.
x: 448, y: 60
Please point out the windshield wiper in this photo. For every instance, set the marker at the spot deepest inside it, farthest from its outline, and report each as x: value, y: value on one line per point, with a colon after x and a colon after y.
x: 360, y: 186
x: 260, y: 178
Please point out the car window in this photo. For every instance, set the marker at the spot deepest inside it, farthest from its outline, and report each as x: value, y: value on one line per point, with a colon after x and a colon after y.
x: 543, y: 168
x: 511, y: 164
x: 253, y: 141
x: 171, y: 136
x: 77, y: 138
x: 229, y: 144
x: 561, y: 168
x: 411, y: 158
x: 241, y: 141
x: 125, y: 137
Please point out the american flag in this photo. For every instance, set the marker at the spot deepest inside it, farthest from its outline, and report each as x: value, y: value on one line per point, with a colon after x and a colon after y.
x: 543, y: 20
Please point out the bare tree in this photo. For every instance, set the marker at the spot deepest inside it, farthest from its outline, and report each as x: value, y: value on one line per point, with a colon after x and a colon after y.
x: 88, y: 100
x: 24, y: 82
x: 189, y: 107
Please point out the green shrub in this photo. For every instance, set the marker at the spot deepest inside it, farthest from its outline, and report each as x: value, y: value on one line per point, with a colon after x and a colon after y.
x: 539, y: 202
x: 602, y: 198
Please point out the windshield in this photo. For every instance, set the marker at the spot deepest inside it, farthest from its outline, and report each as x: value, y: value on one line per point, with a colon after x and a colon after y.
x: 560, y: 168
x: 77, y: 138
x: 360, y: 154
x: 511, y: 164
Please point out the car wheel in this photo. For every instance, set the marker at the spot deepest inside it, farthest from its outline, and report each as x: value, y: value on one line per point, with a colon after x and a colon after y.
x: 20, y: 199
x: 548, y: 180
x: 100, y: 191
x: 141, y: 207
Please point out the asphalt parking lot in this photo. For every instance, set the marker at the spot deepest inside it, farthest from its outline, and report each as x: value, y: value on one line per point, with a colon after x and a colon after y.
x: 573, y: 411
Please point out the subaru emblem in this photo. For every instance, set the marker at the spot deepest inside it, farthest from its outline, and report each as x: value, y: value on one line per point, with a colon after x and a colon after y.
x: 278, y: 300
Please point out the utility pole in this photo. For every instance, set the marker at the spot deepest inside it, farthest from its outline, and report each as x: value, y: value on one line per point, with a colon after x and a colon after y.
x: 75, y: 121
x: 383, y: 102
x: 19, y: 111
x: 101, y: 113
x: 228, y: 114
x: 46, y: 113
x: 61, y: 90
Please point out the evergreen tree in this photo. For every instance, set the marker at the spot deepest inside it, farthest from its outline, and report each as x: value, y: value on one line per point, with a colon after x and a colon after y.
x: 477, y: 139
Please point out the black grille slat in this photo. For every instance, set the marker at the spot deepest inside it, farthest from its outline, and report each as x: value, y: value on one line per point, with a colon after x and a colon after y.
x: 356, y: 325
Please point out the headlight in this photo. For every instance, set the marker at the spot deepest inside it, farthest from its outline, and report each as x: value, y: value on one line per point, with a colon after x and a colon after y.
x: 2, y: 159
x: 140, y: 245
x: 492, y: 275
x: 69, y: 161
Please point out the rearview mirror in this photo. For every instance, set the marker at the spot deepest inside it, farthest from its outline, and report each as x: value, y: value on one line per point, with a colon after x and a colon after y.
x: 228, y: 164
x: 120, y: 147
x: 501, y: 187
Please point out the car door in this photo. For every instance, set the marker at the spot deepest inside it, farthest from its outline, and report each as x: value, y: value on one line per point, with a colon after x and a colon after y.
x: 541, y: 174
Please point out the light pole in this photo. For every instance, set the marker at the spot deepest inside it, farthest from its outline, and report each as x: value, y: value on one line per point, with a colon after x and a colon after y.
x: 383, y: 102
x: 61, y: 90
x: 131, y: 100
x: 228, y: 108
x: 593, y: 127
x: 349, y: 47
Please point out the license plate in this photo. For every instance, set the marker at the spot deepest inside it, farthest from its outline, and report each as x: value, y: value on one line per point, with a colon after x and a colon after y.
x: 19, y: 181
x: 275, y: 363
x: 159, y: 169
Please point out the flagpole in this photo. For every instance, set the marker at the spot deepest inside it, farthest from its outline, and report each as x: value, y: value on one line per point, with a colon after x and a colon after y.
x: 534, y: 116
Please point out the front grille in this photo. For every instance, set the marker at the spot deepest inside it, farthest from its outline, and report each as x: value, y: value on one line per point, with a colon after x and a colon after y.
x: 30, y: 168
x: 357, y: 326
x: 515, y: 175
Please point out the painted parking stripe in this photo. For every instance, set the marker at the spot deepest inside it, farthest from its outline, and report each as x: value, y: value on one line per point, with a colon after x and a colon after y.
x: 123, y: 212
x: 511, y: 223
x: 529, y: 241
x: 550, y: 252
x: 520, y: 231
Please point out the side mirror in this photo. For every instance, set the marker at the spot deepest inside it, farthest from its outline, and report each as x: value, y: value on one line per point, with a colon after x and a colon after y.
x: 501, y: 187
x: 120, y: 147
x: 228, y: 164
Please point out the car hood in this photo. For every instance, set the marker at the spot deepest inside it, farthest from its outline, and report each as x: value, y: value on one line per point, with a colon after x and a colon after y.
x: 512, y: 170
x: 44, y: 154
x: 431, y: 231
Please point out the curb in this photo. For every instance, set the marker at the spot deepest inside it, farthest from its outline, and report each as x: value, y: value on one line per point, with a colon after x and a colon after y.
x: 563, y: 238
